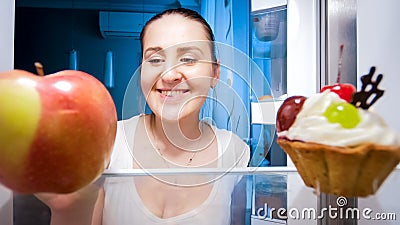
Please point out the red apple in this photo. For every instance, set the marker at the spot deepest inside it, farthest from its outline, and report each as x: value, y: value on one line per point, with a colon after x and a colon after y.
x: 345, y: 90
x: 56, y: 131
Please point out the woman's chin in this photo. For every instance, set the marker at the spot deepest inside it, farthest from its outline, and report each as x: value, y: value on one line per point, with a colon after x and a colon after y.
x: 170, y: 118
x: 170, y: 115
x: 173, y: 116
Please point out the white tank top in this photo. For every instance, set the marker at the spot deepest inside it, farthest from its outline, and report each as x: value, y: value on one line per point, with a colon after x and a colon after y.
x: 123, y: 205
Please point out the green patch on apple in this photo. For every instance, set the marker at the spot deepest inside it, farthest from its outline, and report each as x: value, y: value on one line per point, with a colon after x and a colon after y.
x: 19, y: 117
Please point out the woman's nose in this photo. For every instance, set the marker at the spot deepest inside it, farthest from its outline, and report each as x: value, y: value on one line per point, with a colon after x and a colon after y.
x: 172, y: 76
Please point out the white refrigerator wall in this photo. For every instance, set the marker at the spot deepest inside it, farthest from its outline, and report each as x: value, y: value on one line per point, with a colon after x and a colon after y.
x: 378, y: 32
x: 6, y: 35
x: 6, y: 63
x: 302, y: 80
x: 378, y: 45
x: 301, y: 49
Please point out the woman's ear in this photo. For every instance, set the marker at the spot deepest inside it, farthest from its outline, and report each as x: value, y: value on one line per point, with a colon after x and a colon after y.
x: 217, y: 73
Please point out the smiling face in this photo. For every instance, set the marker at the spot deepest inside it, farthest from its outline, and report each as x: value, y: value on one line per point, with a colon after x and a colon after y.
x: 177, y: 70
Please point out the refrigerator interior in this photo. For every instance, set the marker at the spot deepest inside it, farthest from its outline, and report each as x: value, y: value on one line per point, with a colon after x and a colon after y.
x: 268, y: 32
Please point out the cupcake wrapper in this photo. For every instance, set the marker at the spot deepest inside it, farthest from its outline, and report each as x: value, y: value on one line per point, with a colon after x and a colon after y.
x: 346, y: 171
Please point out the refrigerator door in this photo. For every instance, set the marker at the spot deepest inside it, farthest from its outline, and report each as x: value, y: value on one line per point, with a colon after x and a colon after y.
x: 378, y: 34
x: 378, y: 45
x: 6, y: 206
x: 7, y: 62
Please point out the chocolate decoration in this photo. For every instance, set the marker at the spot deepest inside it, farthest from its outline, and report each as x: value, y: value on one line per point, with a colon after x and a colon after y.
x: 369, y: 93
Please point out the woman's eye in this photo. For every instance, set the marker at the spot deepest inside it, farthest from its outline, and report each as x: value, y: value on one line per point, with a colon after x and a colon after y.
x: 188, y: 60
x: 155, y: 60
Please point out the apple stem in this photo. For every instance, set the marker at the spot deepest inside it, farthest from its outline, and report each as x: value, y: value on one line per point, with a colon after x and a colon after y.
x: 340, y: 64
x: 39, y: 68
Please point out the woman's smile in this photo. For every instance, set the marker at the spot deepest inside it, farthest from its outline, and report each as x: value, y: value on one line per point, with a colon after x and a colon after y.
x: 172, y: 94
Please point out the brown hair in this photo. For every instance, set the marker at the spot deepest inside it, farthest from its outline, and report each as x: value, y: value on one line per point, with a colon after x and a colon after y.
x: 186, y: 13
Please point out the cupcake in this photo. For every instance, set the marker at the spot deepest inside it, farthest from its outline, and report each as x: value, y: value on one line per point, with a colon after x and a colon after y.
x: 339, y: 147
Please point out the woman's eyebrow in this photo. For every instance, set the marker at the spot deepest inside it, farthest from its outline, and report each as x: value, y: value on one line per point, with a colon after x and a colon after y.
x: 152, y: 50
x: 182, y: 50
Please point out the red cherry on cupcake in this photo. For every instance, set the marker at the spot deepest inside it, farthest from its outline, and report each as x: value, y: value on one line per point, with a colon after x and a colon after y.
x: 288, y: 111
x: 345, y: 90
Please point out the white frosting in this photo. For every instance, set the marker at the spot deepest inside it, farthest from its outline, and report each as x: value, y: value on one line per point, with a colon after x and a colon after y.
x: 311, y: 126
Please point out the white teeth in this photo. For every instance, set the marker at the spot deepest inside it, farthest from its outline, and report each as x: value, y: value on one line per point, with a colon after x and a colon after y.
x: 172, y: 93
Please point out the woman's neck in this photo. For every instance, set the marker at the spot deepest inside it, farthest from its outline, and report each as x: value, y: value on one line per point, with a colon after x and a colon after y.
x: 186, y: 128
x: 187, y: 134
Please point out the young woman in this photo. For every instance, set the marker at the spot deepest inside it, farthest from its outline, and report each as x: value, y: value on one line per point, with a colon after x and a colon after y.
x: 179, y: 66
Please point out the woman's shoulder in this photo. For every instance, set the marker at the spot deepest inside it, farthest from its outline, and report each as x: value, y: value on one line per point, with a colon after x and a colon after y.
x: 126, y: 129
x: 129, y: 121
x: 232, y: 147
x: 227, y: 135
x: 123, y: 142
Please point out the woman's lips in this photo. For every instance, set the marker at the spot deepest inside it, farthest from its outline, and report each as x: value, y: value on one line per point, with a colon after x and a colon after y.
x: 170, y: 95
